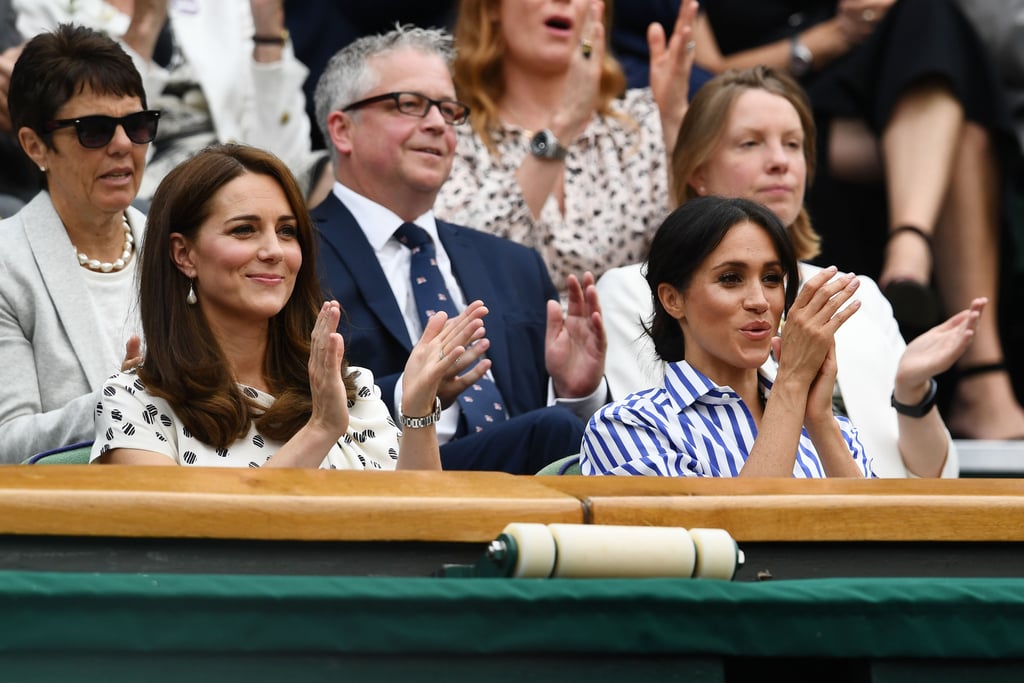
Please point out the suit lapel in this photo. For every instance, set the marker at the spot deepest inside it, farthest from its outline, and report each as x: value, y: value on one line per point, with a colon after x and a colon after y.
x: 346, y: 239
x: 470, y: 269
x: 70, y: 294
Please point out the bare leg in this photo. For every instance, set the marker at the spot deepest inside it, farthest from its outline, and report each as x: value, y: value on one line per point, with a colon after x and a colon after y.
x: 854, y: 154
x: 966, y: 253
x: 918, y: 147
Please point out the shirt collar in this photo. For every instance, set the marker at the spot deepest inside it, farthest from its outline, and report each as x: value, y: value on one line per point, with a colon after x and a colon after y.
x: 686, y: 385
x: 378, y: 222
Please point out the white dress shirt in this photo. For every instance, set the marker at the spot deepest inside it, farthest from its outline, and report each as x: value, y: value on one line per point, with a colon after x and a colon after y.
x: 379, y: 225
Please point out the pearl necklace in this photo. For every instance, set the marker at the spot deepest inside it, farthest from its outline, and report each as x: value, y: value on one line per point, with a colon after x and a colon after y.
x: 106, y: 266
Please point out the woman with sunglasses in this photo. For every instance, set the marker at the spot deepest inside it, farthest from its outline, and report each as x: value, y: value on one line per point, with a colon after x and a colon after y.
x: 68, y: 258
x: 221, y: 71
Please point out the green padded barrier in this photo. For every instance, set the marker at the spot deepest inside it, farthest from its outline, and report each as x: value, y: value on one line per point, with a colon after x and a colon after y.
x: 237, y: 614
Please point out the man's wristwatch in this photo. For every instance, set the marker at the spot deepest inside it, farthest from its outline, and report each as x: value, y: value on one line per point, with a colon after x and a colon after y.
x: 919, y: 409
x: 800, y: 57
x: 544, y: 145
x: 426, y: 420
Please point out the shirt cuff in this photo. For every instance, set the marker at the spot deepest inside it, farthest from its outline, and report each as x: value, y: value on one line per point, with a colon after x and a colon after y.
x: 585, y: 406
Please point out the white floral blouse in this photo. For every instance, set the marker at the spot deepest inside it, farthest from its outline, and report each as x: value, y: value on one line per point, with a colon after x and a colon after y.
x: 616, y: 191
x: 128, y: 416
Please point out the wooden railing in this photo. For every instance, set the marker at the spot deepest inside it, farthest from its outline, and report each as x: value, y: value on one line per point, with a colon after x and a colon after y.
x: 303, y: 505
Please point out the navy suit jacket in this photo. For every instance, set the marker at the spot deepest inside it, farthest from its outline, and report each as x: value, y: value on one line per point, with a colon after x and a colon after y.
x: 510, y: 279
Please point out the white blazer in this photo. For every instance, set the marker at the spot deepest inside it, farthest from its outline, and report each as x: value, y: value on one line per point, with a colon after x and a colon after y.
x: 868, y: 350
x: 54, y: 353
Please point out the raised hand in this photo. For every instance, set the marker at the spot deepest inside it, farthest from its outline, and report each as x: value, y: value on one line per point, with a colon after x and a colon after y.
x: 807, y: 375
x: 583, y: 81
x: 819, y: 397
x: 812, y: 322
x: 935, y: 351
x: 327, y: 387
x: 575, y: 343
x: 858, y: 18
x: 7, y: 59
x: 446, y: 348
x: 132, y: 353
x: 670, y: 65
x: 148, y: 17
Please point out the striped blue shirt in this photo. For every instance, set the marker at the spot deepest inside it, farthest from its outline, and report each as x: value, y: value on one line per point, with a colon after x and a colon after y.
x: 689, y: 427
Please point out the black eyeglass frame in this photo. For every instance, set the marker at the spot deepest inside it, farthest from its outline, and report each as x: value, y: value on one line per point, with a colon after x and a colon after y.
x: 431, y: 102
x: 150, y: 117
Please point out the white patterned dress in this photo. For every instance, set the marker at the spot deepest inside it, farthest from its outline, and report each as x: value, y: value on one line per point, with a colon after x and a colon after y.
x: 128, y: 416
x: 616, y: 191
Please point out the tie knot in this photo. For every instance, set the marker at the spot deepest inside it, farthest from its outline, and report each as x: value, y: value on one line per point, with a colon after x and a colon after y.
x: 412, y: 235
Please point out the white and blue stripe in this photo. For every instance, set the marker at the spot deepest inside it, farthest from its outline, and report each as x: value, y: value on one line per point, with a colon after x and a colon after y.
x: 689, y: 427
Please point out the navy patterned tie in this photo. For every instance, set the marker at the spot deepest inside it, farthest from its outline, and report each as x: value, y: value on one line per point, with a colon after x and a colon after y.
x: 481, y: 403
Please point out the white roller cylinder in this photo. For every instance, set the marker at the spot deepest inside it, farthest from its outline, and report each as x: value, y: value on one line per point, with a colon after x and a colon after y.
x: 717, y: 554
x: 586, y: 551
x: 535, y: 550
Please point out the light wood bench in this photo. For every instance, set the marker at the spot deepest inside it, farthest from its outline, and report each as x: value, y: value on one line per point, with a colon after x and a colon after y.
x: 810, y: 510
x: 273, y: 504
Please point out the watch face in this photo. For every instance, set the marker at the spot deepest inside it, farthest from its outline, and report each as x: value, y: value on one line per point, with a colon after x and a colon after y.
x: 541, y: 144
x: 545, y: 146
x: 800, y: 59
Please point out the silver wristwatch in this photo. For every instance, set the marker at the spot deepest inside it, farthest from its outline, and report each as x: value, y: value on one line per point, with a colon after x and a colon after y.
x: 800, y: 57
x: 544, y: 145
x: 426, y: 420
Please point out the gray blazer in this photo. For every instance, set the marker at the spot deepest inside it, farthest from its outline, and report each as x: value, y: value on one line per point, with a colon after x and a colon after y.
x: 53, y: 355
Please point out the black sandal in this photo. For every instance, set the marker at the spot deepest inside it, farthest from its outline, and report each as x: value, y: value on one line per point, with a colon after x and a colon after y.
x: 914, y: 304
x: 973, y: 371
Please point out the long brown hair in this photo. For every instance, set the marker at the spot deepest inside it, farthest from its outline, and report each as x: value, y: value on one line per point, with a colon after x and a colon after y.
x: 704, y: 125
x: 183, y: 362
x: 479, y: 81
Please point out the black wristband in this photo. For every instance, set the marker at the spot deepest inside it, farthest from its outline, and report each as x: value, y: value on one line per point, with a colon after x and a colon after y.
x: 279, y: 39
x: 919, y: 409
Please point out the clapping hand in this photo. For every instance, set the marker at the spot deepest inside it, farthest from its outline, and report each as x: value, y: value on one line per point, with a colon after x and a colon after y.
x: 935, y: 352
x: 670, y: 65
x: 858, y: 18
x: 326, y: 384
x: 132, y: 353
x: 7, y: 59
x: 575, y: 343
x: 583, y: 82
x: 811, y: 324
x: 446, y: 348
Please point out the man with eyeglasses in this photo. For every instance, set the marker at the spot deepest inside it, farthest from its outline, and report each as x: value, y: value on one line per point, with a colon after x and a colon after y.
x: 518, y: 398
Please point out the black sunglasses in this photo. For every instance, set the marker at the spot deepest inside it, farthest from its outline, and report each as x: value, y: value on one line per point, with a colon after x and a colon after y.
x: 415, y: 104
x: 97, y: 131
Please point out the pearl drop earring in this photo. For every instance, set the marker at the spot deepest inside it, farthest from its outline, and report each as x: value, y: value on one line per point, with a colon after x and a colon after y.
x: 191, y: 299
